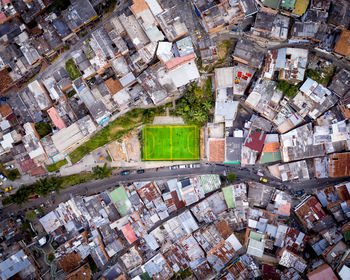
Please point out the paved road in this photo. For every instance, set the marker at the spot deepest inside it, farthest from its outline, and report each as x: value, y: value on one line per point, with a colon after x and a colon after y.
x: 96, y: 186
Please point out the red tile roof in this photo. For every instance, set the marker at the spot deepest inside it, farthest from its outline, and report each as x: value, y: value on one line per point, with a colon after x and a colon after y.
x: 255, y: 141
x: 149, y: 192
x: 56, y: 118
x: 37, y: 171
x: 2, y: 17
x: 129, y: 233
x: 339, y: 165
x: 269, y: 272
x: 178, y: 60
x: 217, y: 150
x: 26, y: 164
x: 5, y: 110
x: 323, y: 272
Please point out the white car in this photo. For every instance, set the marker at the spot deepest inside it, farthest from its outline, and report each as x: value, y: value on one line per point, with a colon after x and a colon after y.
x: 9, y: 167
x: 182, y: 166
x: 173, y: 167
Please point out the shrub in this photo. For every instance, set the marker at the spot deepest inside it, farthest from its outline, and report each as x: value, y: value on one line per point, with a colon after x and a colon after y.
x: 231, y: 177
x: 42, y: 128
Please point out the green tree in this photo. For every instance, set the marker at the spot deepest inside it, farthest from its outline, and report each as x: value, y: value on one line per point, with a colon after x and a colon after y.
x: 197, y: 103
x: 287, y: 88
x: 48, y: 184
x: 13, y: 174
x: 101, y: 172
x: 30, y: 216
x: 283, y: 86
x: 42, y: 128
x: 50, y: 257
x: 21, y: 195
x: 292, y: 91
x: 231, y: 177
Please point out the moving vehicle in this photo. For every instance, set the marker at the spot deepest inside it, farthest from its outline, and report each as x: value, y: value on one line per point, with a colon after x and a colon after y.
x: 125, y: 172
x: 264, y: 180
x: 140, y: 171
x: 9, y: 188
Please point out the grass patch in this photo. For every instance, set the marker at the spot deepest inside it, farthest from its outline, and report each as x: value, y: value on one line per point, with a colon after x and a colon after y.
x: 223, y: 50
x: 108, y: 157
x: 109, y: 7
x: 170, y: 143
x: 322, y: 77
x: 288, y: 89
x: 182, y: 274
x: 11, y: 174
x: 72, y: 69
x: 114, y: 131
x: 56, y: 166
x: 42, y: 128
x: 145, y: 276
x: 75, y: 179
x: 71, y: 93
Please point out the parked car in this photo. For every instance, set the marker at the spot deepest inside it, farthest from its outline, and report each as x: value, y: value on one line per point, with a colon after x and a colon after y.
x: 264, y: 180
x: 11, y: 166
x: 125, y: 172
x: 2, y: 194
x: 182, y: 166
x: 35, y: 196
x: 9, y: 188
x: 3, y: 177
x: 1, y: 182
x: 299, y: 193
x: 173, y: 167
x: 198, y: 34
x: 140, y: 171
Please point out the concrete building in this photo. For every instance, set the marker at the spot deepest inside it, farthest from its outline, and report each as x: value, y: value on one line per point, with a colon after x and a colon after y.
x: 72, y: 136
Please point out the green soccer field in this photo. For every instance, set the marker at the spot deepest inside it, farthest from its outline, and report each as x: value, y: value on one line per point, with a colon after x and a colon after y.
x: 170, y: 142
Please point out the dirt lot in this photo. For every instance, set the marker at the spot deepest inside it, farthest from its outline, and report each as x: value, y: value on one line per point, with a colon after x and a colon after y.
x: 128, y: 149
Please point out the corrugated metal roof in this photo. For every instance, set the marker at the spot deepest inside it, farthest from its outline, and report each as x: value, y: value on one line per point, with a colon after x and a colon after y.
x: 13, y: 265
